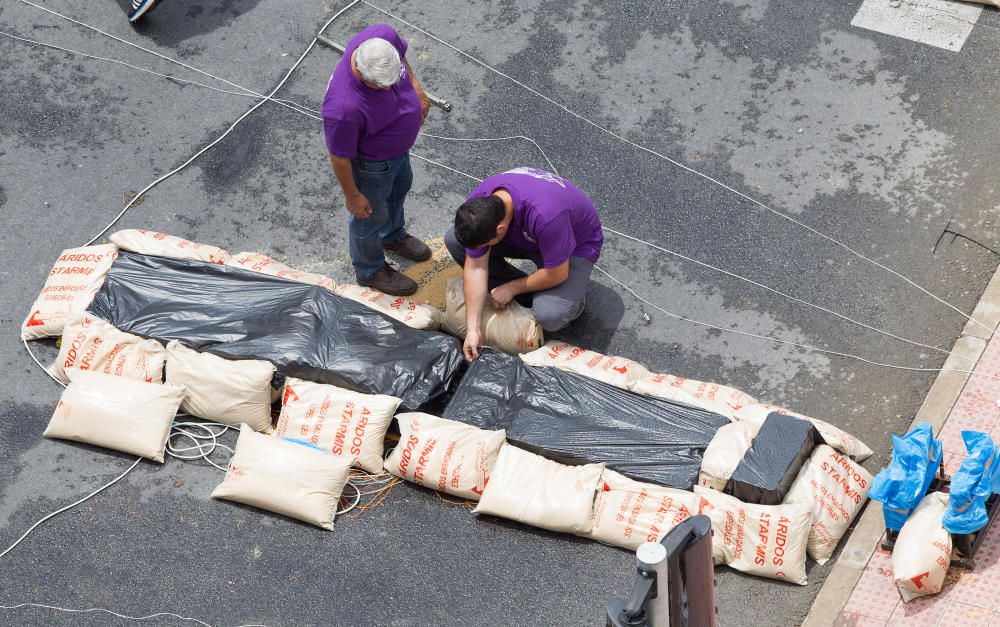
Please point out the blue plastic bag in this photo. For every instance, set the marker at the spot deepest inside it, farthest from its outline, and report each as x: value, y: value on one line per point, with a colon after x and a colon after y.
x: 916, y: 457
x: 972, y: 485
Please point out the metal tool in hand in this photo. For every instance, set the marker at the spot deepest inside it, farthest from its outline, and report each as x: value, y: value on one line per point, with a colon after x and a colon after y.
x: 440, y: 103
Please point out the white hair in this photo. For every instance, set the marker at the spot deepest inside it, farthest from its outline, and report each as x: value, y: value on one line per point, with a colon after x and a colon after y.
x: 378, y: 62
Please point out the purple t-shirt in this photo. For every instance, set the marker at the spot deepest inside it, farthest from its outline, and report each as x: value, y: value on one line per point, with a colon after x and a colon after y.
x: 370, y: 124
x: 551, y: 216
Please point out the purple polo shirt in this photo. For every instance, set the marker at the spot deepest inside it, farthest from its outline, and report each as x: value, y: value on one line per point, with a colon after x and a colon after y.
x: 551, y: 216
x: 370, y: 124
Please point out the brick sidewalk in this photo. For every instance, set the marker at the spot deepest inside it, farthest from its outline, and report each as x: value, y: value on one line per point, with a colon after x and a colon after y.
x: 969, y: 597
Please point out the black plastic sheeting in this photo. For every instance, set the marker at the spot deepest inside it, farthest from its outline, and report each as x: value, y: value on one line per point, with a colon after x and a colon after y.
x: 307, y: 332
x: 573, y: 419
x: 770, y: 466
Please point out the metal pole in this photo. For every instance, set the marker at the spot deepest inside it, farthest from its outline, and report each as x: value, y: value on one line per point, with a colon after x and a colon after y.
x: 440, y: 103
x: 653, y: 557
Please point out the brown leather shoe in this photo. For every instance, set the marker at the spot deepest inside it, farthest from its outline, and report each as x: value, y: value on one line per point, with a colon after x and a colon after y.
x: 390, y: 281
x: 411, y: 248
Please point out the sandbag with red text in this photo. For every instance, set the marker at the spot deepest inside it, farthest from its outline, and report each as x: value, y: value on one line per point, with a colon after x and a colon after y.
x: 835, y: 487
x: 89, y: 343
x: 513, y: 330
x: 628, y: 513
x: 764, y: 540
x: 147, y: 242
x: 716, y: 398
x: 834, y: 436
x: 444, y: 455
x: 616, y: 371
x: 72, y: 282
x: 265, y: 265
x: 724, y: 453
x: 922, y: 554
x: 412, y: 313
x: 346, y: 423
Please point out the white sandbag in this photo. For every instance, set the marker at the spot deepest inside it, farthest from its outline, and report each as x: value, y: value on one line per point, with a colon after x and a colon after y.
x: 631, y: 513
x: 72, y: 282
x: 444, y: 455
x: 834, y: 436
x: 289, y: 478
x: 513, y: 330
x: 922, y: 554
x: 412, y: 313
x: 272, y: 267
x: 152, y: 243
x: 346, y: 423
x: 835, y: 487
x: 763, y: 540
x: 536, y: 491
x: 222, y: 390
x: 117, y: 413
x: 616, y: 371
x: 720, y: 399
x: 724, y: 453
x: 89, y: 343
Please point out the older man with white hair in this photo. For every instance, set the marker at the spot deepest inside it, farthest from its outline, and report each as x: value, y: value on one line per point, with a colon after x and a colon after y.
x: 372, y: 112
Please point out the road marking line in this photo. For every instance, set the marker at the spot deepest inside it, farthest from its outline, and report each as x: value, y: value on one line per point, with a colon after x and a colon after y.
x: 940, y: 23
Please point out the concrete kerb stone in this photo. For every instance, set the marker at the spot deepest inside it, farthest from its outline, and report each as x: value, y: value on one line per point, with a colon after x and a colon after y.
x: 940, y: 400
x: 987, y: 311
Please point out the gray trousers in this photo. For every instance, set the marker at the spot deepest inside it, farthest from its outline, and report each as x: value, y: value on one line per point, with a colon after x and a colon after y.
x: 554, y: 308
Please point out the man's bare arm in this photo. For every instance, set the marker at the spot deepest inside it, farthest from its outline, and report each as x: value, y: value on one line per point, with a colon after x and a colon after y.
x: 357, y: 204
x: 475, y: 276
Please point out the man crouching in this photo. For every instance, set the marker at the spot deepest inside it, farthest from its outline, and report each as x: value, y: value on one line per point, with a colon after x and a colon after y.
x: 526, y: 213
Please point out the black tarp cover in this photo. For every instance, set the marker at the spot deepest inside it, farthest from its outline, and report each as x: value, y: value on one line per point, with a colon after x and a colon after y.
x: 574, y: 419
x: 306, y: 331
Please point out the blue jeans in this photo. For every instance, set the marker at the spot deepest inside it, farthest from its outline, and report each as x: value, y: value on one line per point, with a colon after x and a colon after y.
x: 384, y: 184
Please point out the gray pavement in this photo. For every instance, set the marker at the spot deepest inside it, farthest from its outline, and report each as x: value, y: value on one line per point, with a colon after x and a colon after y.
x: 874, y: 140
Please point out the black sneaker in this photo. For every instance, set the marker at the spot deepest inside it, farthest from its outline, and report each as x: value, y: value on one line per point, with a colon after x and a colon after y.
x: 141, y: 8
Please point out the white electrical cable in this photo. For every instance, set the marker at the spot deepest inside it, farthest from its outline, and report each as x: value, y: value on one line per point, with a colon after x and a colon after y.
x: 70, y: 506
x: 357, y: 499
x: 204, y: 450
x: 303, y: 110
x: 180, y: 429
x: 232, y: 126
x: 204, y: 443
x: 465, y: 174
x: 249, y: 94
x: 116, y: 614
x: 687, y: 168
x: 786, y: 342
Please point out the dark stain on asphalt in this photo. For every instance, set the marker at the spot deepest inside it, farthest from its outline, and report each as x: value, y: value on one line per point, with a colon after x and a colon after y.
x: 235, y: 159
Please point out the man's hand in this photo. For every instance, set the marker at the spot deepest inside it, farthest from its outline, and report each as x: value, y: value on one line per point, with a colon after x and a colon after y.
x: 472, y: 345
x: 358, y: 205
x: 502, y: 295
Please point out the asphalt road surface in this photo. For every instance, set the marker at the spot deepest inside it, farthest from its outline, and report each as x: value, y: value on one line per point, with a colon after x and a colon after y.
x: 874, y: 140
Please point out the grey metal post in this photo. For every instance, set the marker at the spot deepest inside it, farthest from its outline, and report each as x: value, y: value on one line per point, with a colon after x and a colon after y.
x: 651, y: 557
